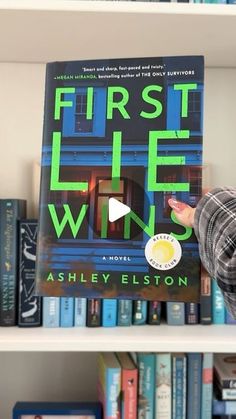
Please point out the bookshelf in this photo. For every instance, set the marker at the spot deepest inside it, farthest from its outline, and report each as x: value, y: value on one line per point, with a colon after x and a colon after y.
x: 48, y: 364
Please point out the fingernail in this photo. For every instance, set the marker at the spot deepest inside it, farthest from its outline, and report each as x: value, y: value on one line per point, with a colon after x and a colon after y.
x: 177, y: 205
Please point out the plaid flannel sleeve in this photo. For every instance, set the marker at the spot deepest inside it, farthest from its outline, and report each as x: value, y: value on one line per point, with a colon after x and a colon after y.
x: 215, y: 228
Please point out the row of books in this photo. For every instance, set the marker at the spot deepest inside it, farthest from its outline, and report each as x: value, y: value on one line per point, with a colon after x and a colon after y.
x: 165, y: 385
x: 186, y: 1
x: 18, y: 305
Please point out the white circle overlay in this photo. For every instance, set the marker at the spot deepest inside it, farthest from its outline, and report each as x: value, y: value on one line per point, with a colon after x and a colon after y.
x: 168, y: 253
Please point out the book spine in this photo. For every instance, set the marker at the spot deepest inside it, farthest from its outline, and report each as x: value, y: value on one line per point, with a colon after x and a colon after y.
x: 109, y: 312
x: 129, y: 394
x: 179, y: 387
x: 94, y: 312
x: 218, y: 407
x: 80, y: 312
x: 67, y: 312
x: 146, y: 389
x: 205, y: 299
x: 231, y: 1
x: 192, y: 313
x: 194, y: 385
x: 29, y: 306
x: 139, y: 312
x: 51, y: 311
x: 163, y: 386
x: 228, y: 393
x: 175, y: 313
x: 124, y: 312
x: 207, y: 378
x: 218, y: 307
x: 154, y: 312
x: 11, y: 210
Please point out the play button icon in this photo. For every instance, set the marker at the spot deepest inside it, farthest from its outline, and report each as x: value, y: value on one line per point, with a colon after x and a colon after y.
x: 116, y: 210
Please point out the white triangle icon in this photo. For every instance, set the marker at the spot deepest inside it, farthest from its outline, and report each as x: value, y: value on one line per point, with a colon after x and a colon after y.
x: 117, y: 210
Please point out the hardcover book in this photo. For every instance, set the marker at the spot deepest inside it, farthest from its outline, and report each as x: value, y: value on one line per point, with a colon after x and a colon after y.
x: 121, y: 137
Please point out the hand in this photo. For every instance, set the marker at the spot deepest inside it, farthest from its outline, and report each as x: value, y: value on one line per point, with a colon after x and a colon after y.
x: 183, y: 212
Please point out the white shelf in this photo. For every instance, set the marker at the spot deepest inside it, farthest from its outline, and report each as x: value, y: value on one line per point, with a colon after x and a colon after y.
x: 144, y: 338
x: 47, y: 30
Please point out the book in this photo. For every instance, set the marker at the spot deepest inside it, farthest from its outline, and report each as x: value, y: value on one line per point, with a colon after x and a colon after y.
x: 121, y: 137
x: 163, y: 386
x: 154, y: 312
x: 66, y: 312
x: 80, y: 312
x: 125, y: 308
x: 94, y: 312
x: 205, y: 299
x: 29, y: 305
x: 228, y: 318
x: 129, y: 386
x: 218, y: 306
x: 207, y: 386
x: 11, y: 210
x: 54, y: 410
x: 139, y: 312
x: 225, y: 370
x: 146, y: 391
x: 191, y: 313
x: 221, y: 407
x: 179, y: 369
x: 175, y: 313
x: 194, y: 385
x: 109, y: 312
x: 109, y: 384
x: 51, y: 311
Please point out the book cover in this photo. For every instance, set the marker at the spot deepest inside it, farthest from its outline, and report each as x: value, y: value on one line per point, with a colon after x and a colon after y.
x: 194, y: 385
x: 179, y: 369
x: 129, y: 386
x: 218, y: 306
x: 163, y: 397
x: 109, y: 385
x: 125, y: 308
x: 109, y: 312
x: 207, y: 386
x: 29, y: 305
x: 80, y: 312
x: 67, y: 312
x: 121, y: 137
x: 225, y: 370
x: 146, y: 392
x: 11, y: 210
x: 51, y: 311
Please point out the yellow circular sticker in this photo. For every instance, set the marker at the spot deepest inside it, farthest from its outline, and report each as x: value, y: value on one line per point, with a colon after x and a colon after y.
x: 163, y: 251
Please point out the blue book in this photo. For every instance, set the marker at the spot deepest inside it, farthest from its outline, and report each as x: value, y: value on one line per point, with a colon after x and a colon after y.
x: 224, y: 407
x: 80, y: 312
x: 194, y: 385
x: 57, y: 409
x: 109, y: 312
x: 51, y: 311
x: 163, y: 386
x: 139, y: 312
x: 67, y: 312
x: 146, y: 392
x: 218, y: 306
x: 109, y: 384
x: 124, y: 312
x: 231, y: 1
x: 175, y: 313
x: 207, y: 387
x: 179, y: 369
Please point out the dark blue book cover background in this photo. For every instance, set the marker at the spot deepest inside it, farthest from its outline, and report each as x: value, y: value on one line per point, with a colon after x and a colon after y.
x: 128, y: 129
